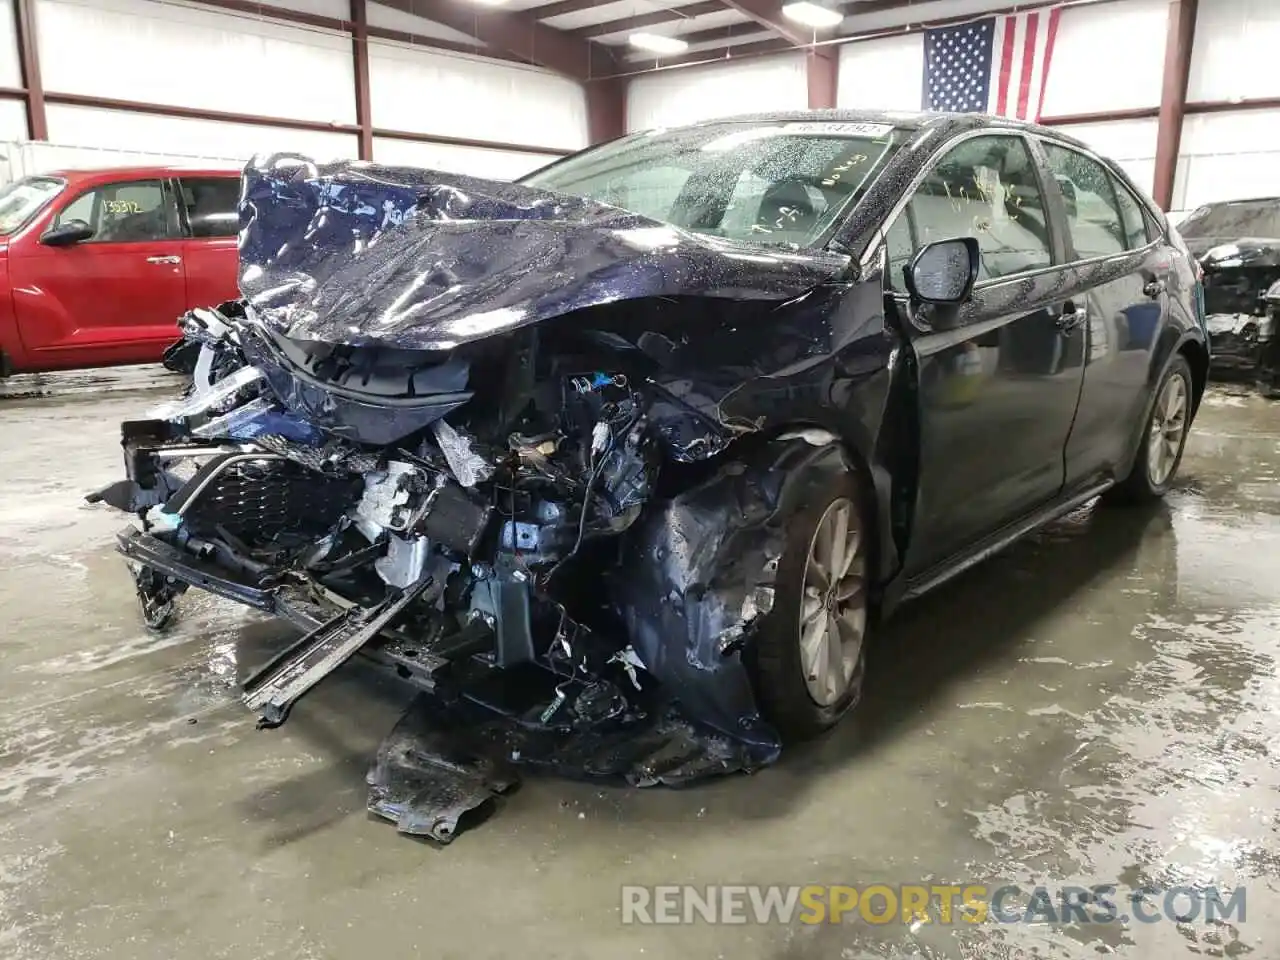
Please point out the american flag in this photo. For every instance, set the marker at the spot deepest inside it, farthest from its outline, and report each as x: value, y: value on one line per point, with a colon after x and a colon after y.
x: 996, y: 65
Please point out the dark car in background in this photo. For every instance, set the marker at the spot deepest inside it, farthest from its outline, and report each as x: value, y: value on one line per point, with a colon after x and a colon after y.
x: 1238, y: 245
x: 619, y: 463
x: 96, y: 266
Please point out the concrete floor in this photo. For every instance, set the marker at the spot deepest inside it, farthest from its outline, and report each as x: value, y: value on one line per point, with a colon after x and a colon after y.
x: 1097, y: 705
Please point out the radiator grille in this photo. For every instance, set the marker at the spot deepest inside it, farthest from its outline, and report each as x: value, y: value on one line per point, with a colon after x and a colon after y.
x: 262, y: 501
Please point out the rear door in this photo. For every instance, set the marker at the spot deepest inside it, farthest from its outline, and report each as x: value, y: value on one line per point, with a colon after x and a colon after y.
x: 1120, y: 267
x: 114, y: 298
x: 1000, y: 381
x: 211, y: 218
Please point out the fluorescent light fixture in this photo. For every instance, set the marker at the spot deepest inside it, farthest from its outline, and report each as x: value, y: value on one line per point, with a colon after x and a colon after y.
x: 812, y: 15
x: 489, y: 3
x: 656, y: 43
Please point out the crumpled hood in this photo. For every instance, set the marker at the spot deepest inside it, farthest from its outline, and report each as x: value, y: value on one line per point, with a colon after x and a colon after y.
x: 363, y: 254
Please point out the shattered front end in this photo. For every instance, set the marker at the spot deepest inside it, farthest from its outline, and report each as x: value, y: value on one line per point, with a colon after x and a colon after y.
x: 543, y: 539
x: 1241, y: 280
x: 505, y: 579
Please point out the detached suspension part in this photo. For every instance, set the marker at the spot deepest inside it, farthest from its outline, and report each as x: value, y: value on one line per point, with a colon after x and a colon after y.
x: 157, y: 595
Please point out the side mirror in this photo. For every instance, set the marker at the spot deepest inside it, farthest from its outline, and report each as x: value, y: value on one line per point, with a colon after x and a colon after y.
x: 65, y: 234
x: 944, y: 271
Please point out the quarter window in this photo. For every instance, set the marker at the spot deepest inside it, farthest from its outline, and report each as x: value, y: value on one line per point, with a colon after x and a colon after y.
x: 901, y: 248
x: 985, y: 188
x: 212, y: 205
x: 1135, y: 221
x: 1094, y: 215
x: 131, y: 212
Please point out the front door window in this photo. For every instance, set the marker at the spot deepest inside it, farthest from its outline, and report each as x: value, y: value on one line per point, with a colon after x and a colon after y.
x: 136, y: 211
x: 985, y: 188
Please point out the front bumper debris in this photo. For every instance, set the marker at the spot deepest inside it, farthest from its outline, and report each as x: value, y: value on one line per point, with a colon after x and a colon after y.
x: 459, y: 429
x: 553, y: 612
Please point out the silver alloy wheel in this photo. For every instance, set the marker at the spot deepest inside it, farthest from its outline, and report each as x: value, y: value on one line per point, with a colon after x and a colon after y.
x: 1168, y: 427
x: 833, y: 605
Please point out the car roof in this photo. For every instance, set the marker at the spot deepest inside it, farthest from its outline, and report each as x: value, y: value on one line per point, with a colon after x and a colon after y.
x: 79, y: 175
x: 1227, y: 203
x: 947, y: 124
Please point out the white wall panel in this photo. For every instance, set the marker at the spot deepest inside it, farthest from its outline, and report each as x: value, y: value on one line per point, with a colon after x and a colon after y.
x: 10, y: 74
x: 338, y: 9
x: 147, y: 133
x: 1234, y: 55
x: 642, y: 60
x: 884, y: 74
x: 168, y: 53
x: 919, y: 11
x: 1131, y: 143
x: 390, y: 18
x: 39, y: 157
x: 1108, y: 57
x: 674, y: 97
x: 13, y: 120
x: 473, y: 161
x: 1228, y: 156
x: 422, y: 91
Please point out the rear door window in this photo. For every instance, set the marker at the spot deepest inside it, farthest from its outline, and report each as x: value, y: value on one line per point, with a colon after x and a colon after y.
x: 1094, y: 215
x: 212, y: 205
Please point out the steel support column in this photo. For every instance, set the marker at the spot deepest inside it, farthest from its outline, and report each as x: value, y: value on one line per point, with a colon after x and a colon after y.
x: 360, y: 62
x: 822, y: 68
x: 606, y: 109
x: 24, y: 15
x: 1173, y: 97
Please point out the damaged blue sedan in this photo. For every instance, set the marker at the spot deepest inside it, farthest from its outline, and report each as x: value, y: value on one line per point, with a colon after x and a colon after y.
x: 618, y: 464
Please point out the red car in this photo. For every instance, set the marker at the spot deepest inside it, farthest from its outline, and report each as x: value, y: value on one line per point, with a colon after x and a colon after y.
x: 96, y: 266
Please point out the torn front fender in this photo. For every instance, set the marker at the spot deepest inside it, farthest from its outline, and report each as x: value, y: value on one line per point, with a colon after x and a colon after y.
x: 700, y: 581
x: 361, y: 254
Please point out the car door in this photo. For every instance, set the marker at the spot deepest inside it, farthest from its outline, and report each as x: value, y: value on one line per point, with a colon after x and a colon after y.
x: 1120, y: 268
x: 112, y: 298
x: 211, y: 221
x: 1000, y: 379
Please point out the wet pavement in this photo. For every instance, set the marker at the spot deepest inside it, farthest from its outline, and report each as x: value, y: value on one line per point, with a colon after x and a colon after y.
x: 1099, y: 705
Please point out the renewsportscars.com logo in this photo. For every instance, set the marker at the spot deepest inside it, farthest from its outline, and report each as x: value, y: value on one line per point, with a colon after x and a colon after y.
x: 914, y: 904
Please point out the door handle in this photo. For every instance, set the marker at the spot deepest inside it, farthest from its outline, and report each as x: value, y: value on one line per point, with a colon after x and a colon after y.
x: 164, y: 259
x: 1153, y: 288
x: 1072, y: 316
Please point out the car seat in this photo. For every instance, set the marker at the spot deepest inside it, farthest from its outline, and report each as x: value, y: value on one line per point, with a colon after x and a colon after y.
x: 787, y: 211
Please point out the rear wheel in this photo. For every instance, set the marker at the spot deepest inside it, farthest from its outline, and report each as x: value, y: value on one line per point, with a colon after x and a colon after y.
x: 1164, y: 439
x: 811, y: 652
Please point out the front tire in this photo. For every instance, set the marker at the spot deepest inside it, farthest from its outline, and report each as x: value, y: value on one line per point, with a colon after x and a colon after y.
x: 1163, y: 440
x: 811, y: 650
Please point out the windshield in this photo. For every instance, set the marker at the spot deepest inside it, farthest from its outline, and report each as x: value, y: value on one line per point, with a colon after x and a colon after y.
x: 778, y: 182
x: 22, y: 199
x: 1247, y: 218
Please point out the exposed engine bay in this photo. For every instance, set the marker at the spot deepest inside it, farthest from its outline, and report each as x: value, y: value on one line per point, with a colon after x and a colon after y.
x: 556, y: 545
x: 1239, y: 257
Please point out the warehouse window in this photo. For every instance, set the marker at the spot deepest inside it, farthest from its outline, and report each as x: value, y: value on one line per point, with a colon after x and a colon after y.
x: 1093, y: 209
x: 985, y: 188
x: 131, y: 212
x: 212, y: 205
